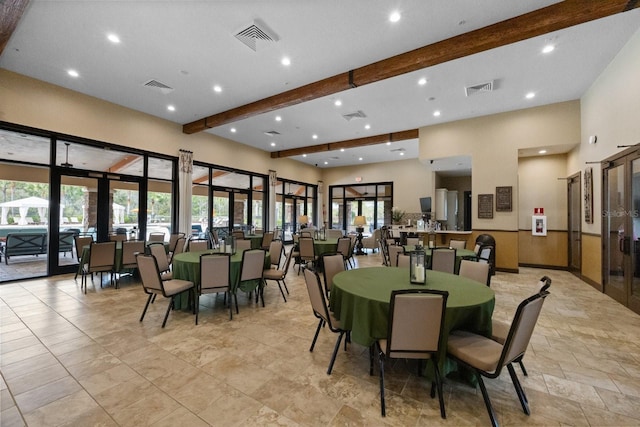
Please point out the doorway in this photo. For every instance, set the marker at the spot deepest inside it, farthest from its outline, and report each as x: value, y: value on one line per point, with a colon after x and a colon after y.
x: 621, y: 230
x: 575, y: 223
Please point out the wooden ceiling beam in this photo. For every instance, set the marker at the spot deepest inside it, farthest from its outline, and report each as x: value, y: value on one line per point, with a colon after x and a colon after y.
x: 351, y: 143
x: 11, y: 12
x: 124, y: 162
x: 556, y: 17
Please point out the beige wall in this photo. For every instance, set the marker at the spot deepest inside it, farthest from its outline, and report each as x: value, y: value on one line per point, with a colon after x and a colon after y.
x: 40, y: 105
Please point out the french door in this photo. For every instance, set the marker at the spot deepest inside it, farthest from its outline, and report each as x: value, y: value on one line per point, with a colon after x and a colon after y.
x: 621, y: 230
x: 575, y: 223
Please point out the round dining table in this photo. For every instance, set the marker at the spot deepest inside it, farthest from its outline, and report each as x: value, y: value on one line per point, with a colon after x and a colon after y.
x: 360, y: 299
x: 460, y: 255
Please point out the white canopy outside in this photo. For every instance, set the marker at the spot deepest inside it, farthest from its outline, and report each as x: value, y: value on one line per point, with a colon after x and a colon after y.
x: 23, y: 206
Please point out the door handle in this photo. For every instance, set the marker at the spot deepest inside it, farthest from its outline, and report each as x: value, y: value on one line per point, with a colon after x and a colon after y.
x: 626, y: 243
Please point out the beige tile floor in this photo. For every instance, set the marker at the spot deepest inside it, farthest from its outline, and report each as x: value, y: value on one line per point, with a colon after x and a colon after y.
x: 82, y: 360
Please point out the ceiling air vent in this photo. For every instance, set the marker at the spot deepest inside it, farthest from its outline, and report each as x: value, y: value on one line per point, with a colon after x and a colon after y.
x: 254, y: 33
x: 401, y: 150
x: 357, y: 115
x: 155, y: 84
x: 483, y: 87
x: 271, y: 133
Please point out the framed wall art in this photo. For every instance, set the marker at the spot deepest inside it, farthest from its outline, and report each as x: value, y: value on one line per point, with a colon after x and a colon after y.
x: 485, y: 206
x: 503, y: 199
x: 588, y: 195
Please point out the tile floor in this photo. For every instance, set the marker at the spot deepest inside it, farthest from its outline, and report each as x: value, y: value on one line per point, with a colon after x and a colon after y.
x: 81, y: 360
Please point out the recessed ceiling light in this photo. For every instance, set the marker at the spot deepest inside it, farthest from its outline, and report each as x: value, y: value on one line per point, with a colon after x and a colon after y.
x: 304, y: 155
x: 367, y: 127
x: 233, y: 130
x: 278, y: 118
x: 113, y: 38
x: 548, y: 48
x: 73, y: 73
x: 286, y: 61
x: 436, y: 113
x: 342, y: 150
x: 314, y: 136
x: 542, y: 152
x: 402, y: 153
x: 273, y: 144
x: 422, y: 81
x: 326, y: 163
x: 360, y: 158
x: 337, y: 103
x: 530, y: 95
x: 217, y: 88
x: 171, y: 108
x: 395, y: 16
x: 388, y: 142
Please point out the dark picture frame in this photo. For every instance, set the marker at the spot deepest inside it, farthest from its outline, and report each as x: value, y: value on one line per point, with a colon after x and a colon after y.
x: 485, y: 206
x: 503, y: 199
x: 588, y: 195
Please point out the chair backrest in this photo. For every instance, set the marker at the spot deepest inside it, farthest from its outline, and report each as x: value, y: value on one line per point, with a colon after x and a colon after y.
x: 475, y: 271
x: 306, y: 233
x: 215, y: 273
x: 129, y: 251
x: 117, y: 237
x: 477, y: 248
x: 287, y: 262
x: 457, y: 244
x: 275, y: 252
x: 443, y: 259
x: 243, y: 244
x: 343, y: 247
x: 267, y: 238
x: 307, y: 249
x: 333, y: 264
x: 416, y: 319
x: 485, y: 254
x: 521, y: 329
x: 198, y: 245
x: 403, y: 260
x: 384, y: 246
x: 180, y: 244
x: 316, y: 295
x: 334, y: 234
x: 156, y: 237
x: 173, y: 240
x: 149, y: 273
x: 157, y: 250
x: 81, y: 242
x: 238, y: 234
x: 102, y: 255
x: 415, y: 241
x: 252, y: 264
x: 543, y: 284
x: 394, y: 251
x: 214, y: 239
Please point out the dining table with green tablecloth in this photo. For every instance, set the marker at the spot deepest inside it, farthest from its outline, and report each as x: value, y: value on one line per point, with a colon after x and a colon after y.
x: 360, y: 299
x: 460, y: 255
x: 186, y: 266
x: 256, y: 240
x: 86, y: 253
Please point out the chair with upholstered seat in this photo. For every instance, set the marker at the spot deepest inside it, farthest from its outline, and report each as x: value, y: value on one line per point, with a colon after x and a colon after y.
x: 130, y: 249
x: 457, y: 244
x: 267, y: 238
x: 251, y: 271
x: 238, y: 234
x: 394, y: 251
x: 307, y: 252
x: 198, y: 245
x: 333, y: 263
x: 500, y: 328
x: 80, y: 243
x: 102, y: 259
x: 475, y: 271
x: 416, y: 321
x: 403, y: 260
x: 344, y: 248
x: 321, y: 311
x: 243, y: 245
x: 443, y: 259
x: 157, y: 250
x: 333, y: 233
x: 276, y: 247
x: 153, y: 285
x: 487, y: 357
x: 413, y: 241
x: 279, y: 275
x: 173, y: 240
x: 156, y: 236
x: 215, y: 277
x: 372, y: 242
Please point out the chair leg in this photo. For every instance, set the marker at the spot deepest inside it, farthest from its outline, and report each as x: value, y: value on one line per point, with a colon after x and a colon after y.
x: 519, y: 390
x: 285, y: 286
x: 261, y: 290
x: 169, y: 307
x: 197, y: 308
x: 335, y: 352
x: 381, y: 363
x: 230, y: 305
x: 281, y: 291
x: 438, y: 382
x: 371, y: 350
x: 524, y: 370
x: 315, y: 337
x: 146, y: 306
x: 487, y: 401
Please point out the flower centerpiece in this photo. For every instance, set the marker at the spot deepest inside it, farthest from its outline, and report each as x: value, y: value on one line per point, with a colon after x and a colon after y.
x: 397, y: 215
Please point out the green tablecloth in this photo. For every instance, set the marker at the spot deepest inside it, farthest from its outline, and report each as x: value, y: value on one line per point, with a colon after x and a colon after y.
x: 86, y: 252
x: 460, y: 255
x: 325, y: 246
x: 186, y: 266
x: 256, y: 240
x: 360, y: 300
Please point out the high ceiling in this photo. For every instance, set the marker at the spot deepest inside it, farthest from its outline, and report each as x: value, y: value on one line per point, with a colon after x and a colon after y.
x: 191, y: 47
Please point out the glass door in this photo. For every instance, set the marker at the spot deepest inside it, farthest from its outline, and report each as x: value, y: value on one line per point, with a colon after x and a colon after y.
x: 575, y: 224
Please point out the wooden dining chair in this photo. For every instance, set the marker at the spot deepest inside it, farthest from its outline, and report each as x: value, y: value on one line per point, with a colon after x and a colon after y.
x: 487, y: 357
x: 153, y: 285
x: 321, y: 311
x: 416, y: 323
x: 215, y: 277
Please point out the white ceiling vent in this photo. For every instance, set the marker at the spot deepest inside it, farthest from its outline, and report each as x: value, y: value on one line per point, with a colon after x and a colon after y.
x: 155, y: 84
x: 256, y: 32
x: 357, y: 115
x: 271, y: 133
x: 482, y: 87
x: 400, y: 150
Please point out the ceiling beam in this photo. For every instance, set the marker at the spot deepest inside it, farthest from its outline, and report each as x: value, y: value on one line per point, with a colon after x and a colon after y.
x: 124, y: 162
x: 556, y: 17
x: 10, y: 13
x: 351, y: 143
